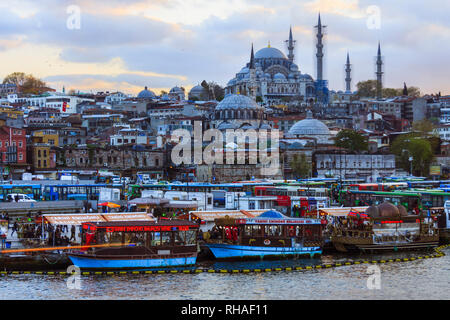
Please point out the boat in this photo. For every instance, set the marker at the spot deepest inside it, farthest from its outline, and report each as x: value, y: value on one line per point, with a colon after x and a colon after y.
x: 383, y: 228
x: 132, y: 245
x: 443, y: 220
x: 268, y: 235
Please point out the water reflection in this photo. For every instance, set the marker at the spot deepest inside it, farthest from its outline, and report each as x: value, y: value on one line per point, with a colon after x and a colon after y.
x: 419, y: 279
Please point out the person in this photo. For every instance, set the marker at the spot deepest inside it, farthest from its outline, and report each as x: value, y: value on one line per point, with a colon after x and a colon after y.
x: 72, y: 233
x: 14, y: 228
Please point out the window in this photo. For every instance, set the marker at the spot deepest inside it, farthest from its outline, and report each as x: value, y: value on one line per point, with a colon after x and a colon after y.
x: 20, y: 156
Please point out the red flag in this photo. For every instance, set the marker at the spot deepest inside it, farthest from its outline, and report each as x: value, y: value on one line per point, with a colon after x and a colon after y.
x: 64, y: 106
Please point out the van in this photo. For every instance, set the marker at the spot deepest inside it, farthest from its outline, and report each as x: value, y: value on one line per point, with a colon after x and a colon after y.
x: 19, y: 197
x: 71, y: 179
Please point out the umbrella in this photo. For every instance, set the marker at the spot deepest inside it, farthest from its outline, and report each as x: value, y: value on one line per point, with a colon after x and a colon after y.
x: 109, y: 205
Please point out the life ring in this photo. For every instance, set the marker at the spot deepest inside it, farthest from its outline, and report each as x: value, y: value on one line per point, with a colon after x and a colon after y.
x: 267, y: 242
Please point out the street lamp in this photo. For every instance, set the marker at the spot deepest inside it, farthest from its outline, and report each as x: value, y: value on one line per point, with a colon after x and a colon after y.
x: 410, y: 159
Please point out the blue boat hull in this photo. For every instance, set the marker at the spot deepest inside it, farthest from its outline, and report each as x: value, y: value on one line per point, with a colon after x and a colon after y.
x: 99, y: 263
x: 226, y: 251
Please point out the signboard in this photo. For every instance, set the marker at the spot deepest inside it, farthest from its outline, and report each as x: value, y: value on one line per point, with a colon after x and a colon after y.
x: 73, y: 219
x: 435, y: 170
x: 127, y: 217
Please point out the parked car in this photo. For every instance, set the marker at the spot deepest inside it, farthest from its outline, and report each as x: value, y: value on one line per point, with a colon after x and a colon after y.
x: 18, y: 197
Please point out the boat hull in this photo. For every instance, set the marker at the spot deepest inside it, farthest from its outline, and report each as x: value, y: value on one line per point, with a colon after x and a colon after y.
x: 228, y: 251
x: 90, y: 262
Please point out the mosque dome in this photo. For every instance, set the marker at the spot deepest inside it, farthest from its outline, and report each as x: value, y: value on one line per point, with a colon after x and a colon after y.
x: 244, y: 70
x: 176, y: 90
x: 146, y: 94
x: 198, y: 91
x: 279, y: 76
x: 306, y: 77
x: 309, y: 127
x: 269, y: 52
x: 237, y: 101
x: 294, y: 67
x: 387, y: 209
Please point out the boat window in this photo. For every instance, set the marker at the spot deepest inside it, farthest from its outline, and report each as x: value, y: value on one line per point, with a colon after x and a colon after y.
x: 115, y: 237
x: 298, y: 231
x: 156, y: 238
x: 274, y: 231
x: 179, y: 238
x: 256, y: 231
x: 165, y: 238
x: 190, y: 237
x: 248, y: 231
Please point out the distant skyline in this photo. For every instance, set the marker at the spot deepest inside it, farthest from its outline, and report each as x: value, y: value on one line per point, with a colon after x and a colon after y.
x: 125, y: 45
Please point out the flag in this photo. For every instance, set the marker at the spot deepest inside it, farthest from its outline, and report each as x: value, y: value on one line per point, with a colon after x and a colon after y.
x: 64, y: 106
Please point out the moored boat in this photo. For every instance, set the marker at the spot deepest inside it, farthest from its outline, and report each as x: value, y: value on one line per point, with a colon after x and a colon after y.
x: 271, y: 234
x: 385, y: 227
x: 137, y: 245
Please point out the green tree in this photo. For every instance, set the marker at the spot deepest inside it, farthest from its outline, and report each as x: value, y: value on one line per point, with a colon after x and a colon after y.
x: 300, y: 165
x: 351, y: 140
x: 367, y: 88
x: 425, y: 127
x: 420, y: 149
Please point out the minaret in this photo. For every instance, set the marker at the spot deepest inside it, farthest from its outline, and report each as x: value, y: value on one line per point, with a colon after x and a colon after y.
x: 348, y: 78
x: 379, y: 74
x: 319, y: 47
x: 290, y: 46
x: 252, y: 83
x: 405, y: 89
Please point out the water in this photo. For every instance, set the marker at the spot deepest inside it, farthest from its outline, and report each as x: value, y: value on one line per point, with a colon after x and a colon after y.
x: 419, y: 279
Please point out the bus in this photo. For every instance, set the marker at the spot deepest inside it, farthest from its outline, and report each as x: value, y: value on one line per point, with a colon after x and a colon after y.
x: 386, y: 186
x: 34, y: 191
x: 72, y: 192
x: 422, y: 198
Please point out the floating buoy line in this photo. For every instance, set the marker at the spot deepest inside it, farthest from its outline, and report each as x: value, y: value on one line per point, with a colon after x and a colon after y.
x: 437, y: 254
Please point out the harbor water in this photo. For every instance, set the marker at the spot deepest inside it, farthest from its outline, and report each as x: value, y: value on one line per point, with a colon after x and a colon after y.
x: 418, y: 279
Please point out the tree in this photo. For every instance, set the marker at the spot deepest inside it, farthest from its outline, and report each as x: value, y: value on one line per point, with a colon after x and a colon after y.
x: 368, y: 89
x: 351, y: 140
x: 26, y: 83
x: 17, y: 78
x: 300, y: 166
x: 424, y: 127
x: 215, y: 92
x: 412, y: 145
x: 163, y: 92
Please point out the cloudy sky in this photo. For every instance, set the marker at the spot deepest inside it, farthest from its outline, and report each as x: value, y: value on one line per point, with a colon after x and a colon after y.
x: 128, y: 44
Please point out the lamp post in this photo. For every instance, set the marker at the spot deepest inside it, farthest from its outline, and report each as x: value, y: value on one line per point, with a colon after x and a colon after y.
x: 410, y: 159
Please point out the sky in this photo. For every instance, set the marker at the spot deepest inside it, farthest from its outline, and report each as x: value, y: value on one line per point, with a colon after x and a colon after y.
x: 125, y: 45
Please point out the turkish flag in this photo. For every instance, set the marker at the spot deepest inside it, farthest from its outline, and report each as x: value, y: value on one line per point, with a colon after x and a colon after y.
x: 64, y: 106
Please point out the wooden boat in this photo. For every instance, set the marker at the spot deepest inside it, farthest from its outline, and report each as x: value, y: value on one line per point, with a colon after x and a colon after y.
x: 385, y: 227
x: 271, y: 234
x: 137, y: 245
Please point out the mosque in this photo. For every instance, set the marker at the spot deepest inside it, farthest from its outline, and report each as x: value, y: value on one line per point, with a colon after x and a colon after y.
x: 273, y: 78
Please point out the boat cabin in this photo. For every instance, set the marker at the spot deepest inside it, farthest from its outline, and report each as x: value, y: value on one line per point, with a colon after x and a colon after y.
x: 140, y: 237
x: 271, y: 229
